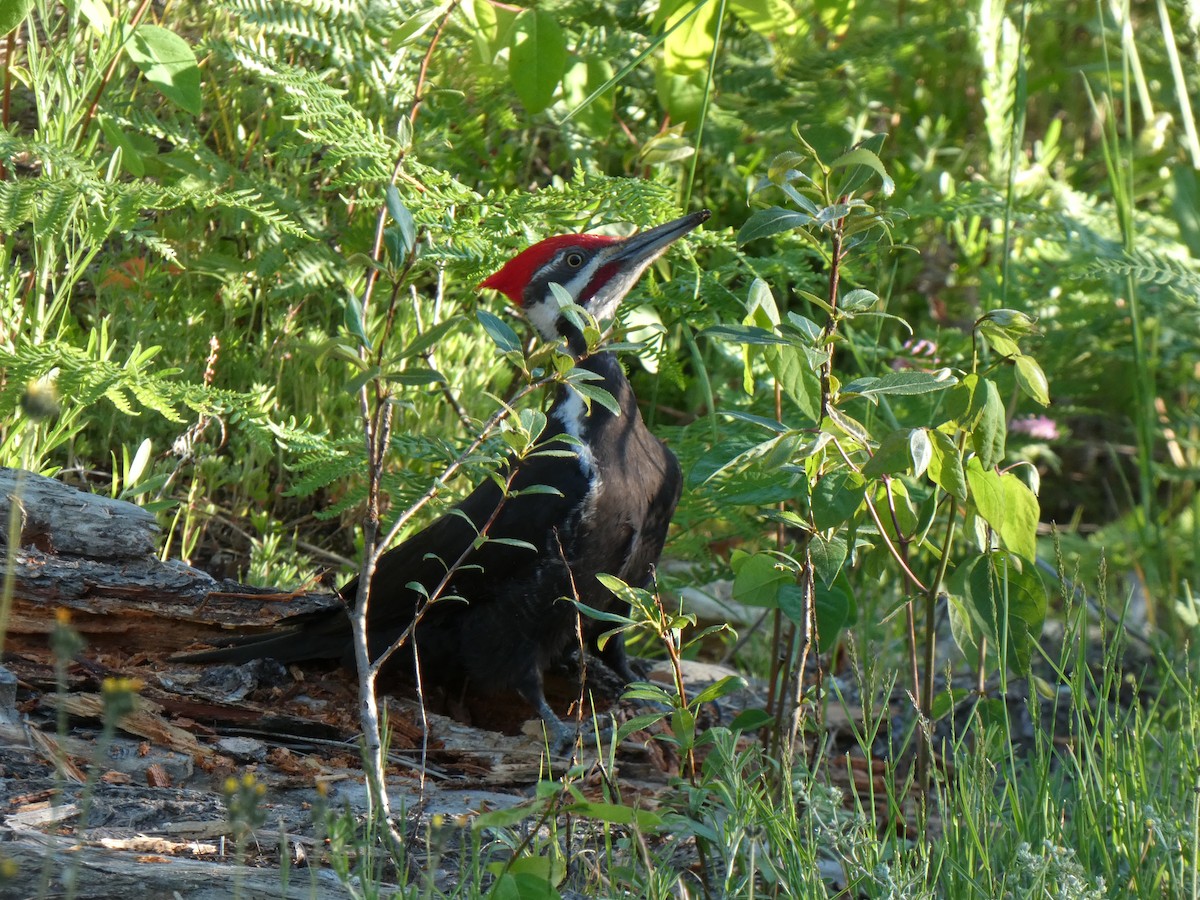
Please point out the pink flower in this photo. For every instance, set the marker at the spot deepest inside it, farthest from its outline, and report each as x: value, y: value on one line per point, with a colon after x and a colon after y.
x: 1041, y: 428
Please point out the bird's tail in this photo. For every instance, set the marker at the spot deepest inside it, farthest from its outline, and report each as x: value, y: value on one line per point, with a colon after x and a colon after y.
x: 324, y: 635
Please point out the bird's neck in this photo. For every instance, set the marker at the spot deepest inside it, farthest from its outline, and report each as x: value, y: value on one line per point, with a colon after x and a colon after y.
x: 576, y: 342
x: 581, y: 419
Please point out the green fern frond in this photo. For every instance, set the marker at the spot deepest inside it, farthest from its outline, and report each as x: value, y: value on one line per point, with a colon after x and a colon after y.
x: 346, y: 34
x: 1148, y: 267
x: 347, y: 139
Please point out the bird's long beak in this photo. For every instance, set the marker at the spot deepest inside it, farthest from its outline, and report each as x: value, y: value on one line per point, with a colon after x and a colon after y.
x: 646, y: 246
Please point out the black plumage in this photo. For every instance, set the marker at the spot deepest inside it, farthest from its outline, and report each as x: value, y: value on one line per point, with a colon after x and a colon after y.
x: 504, y: 614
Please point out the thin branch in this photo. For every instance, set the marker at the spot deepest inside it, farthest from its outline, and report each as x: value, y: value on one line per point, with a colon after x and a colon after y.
x: 108, y: 74
x: 879, y: 525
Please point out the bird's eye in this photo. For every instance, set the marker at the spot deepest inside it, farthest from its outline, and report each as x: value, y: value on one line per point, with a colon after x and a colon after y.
x: 574, y: 260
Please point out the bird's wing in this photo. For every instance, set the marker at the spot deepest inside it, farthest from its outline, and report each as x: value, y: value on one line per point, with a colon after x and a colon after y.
x: 485, y: 539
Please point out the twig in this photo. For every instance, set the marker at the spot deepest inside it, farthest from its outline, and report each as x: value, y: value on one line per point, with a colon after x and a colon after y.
x: 108, y: 74
x: 377, y: 424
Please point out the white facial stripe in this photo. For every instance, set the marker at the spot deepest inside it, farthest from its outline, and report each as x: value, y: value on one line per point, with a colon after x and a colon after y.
x: 584, y: 276
x: 571, y: 414
x: 543, y: 314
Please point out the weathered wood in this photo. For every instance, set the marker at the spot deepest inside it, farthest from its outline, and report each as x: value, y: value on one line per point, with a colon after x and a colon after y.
x: 62, y: 578
x: 58, y: 518
x: 135, y: 605
x: 101, y: 874
x: 146, y: 720
x: 95, y: 556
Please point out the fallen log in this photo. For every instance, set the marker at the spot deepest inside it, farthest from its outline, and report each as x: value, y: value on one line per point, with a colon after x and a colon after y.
x: 95, y: 556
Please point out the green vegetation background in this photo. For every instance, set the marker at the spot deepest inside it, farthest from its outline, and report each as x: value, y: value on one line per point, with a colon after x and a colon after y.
x: 193, y: 200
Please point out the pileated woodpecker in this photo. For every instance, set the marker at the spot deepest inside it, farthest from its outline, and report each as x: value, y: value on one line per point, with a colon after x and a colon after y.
x: 502, y: 618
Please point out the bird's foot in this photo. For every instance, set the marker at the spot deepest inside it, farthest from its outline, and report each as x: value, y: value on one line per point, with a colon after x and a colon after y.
x: 562, y: 737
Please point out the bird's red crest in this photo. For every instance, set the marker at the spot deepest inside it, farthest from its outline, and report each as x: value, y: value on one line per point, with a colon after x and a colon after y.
x: 515, y: 274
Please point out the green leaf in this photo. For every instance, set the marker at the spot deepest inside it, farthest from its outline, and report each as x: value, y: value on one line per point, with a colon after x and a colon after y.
x: 415, y: 377
x: 689, y: 44
x: 861, y: 163
x: 505, y: 817
x: 819, y: 302
x: 893, y: 456
x: 828, y: 555
x: 755, y: 489
x: 964, y: 627
x: 999, y: 341
x: 1007, y: 504
x: 790, y: 600
x: 168, y: 63
x: 767, y: 222
x: 771, y: 425
x: 414, y: 26
x: 785, y: 167
x: 498, y: 330
x: 522, y: 886
x: 537, y: 58
x: 637, y: 723
x: 587, y: 88
x: 1021, y: 516
x: 945, y: 702
x: 901, y: 384
x: 803, y: 326
x: 131, y: 158
x: 750, y: 720
x: 1012, y: 322
x: 682, y: 96
x: 858, y: 300
x: 758, y: 578
x: 847, y: 425
x: 1006, y: 601
x: 12, y: 14
x: 835, y: 498
x: 403, y: 219
x: 617, y: 814
x: 665, y: 148
x: 718, y: 689
x: 427, y: 339
x: 1032, y: 380
x: 97, y: 15
x: 683, y: 725
x: 1185, y: 205
x: 393, y: 242
x: 986, y: 493
x: 759, y: 297
x: 946, y: 466
x: 834, y: 609
x: 988, y: 434
x: 743, y: 334
x: 593, y: 393
x: 832, y: 213
x: 794, y: 369
x: 767, y: 17
x: 959, y: 405
x: 352, y: 319
x: 921, y: 449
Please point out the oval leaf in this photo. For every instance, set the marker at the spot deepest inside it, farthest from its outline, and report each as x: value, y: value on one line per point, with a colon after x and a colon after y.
x: 168, y: 63
x: 402, y: 217
x: 498, y: 330
x: 766, y: 222
x: 12, y: 14
x: 537, y: 58
x: 1032, y: 380
x: 946, y: 466
x: 922, y: 450
x: 989, y: 433
x: 861, y: 156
